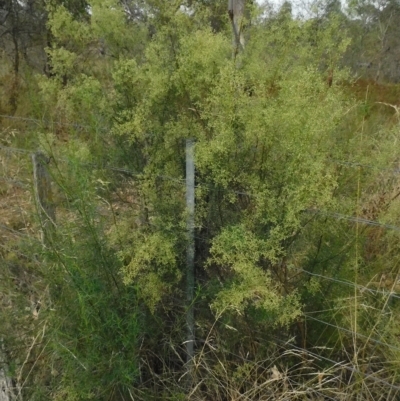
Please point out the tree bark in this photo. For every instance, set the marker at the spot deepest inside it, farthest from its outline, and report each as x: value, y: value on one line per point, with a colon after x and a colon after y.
x: 44, y: 197
x: 236, y: 15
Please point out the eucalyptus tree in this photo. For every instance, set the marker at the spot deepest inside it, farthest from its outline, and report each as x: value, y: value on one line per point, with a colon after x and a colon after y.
x: 375, y: 46
x: 22, y: 26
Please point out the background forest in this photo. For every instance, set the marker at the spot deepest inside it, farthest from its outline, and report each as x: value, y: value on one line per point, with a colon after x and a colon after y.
x: 296, y: 225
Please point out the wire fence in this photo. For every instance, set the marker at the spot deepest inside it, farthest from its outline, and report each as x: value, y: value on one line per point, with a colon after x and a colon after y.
x: 343, y: 364
x: 17, y: 206
x: 181, y: 181
x: 360, y: 288
x: 46, y: 122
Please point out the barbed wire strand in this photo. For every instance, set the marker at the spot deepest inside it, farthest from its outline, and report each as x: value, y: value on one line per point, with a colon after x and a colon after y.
x: 47, y: 122
x: 105, y: 167
x: 87, y: 127
x: 368, y: 166
x: 336, y: 215
x: 340, y: 162
x: 354, y: 219
x: 374, y: 340
x: 350, y: 284
x: 335, y: 363
x: 78, y: 125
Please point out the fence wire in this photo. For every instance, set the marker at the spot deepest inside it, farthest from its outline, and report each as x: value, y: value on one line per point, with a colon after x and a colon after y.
x: 17, y: 207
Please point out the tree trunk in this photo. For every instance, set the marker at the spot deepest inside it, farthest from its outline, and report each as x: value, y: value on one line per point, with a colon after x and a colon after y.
x: 236, y: 15
x: 13, y: 100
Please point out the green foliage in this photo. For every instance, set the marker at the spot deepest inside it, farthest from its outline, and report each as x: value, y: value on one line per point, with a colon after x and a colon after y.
x: 267, y: 129
x: 94, y: 345
x: 240, y: 251
x: 153, y: 266
x: 283, y: 255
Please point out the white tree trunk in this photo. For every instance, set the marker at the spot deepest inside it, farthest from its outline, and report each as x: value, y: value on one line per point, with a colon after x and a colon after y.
x: 236, y: 14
